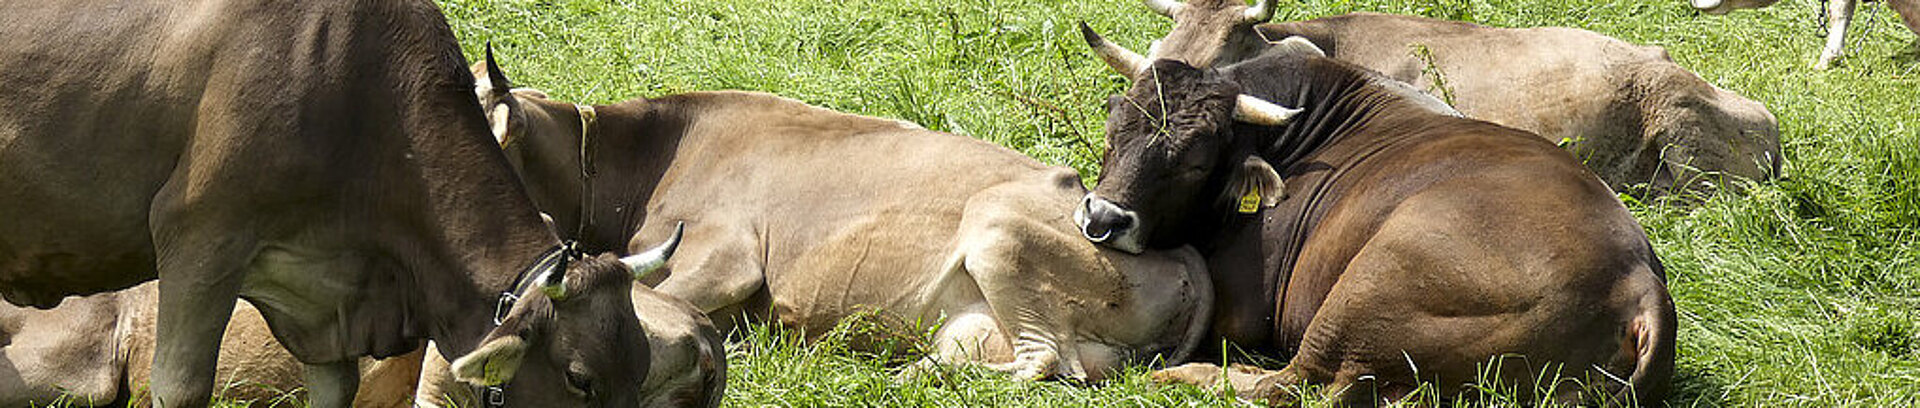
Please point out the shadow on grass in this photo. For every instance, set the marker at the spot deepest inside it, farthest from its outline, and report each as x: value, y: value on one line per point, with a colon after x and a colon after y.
x: 1695, y: 387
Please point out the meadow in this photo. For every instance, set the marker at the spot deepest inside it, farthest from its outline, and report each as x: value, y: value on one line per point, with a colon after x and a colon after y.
x: 1802, y: 291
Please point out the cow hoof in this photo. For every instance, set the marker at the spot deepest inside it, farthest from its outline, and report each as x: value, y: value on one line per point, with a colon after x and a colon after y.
x: 1196, y: 374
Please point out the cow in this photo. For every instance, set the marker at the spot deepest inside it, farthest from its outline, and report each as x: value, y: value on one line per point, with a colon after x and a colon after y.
x: 1839, y: 15
x: 322, y: 160
x: 1628, y: 111
x: 1377, y: 237
x: 95, y: 351
x: 686, y: 360
x: 806, y: 216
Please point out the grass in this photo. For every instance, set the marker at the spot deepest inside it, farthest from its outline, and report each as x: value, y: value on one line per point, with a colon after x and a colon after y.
x: 1800, y: 292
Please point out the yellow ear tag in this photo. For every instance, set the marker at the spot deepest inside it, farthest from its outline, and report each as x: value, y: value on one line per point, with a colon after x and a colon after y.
x: 1250, y: 202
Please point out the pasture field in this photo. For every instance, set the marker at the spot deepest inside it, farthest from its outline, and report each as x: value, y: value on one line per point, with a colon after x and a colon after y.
x: 1801, y: 292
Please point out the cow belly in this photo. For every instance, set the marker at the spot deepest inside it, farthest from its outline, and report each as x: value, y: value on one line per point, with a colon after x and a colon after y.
x: 877, y: 267
x: 85, y: 146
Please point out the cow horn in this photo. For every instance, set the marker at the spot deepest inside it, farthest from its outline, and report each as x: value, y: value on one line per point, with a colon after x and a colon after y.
x: 497, y: 78
x: 1120, y: 59
x: 1249, y: 109
x: 1261, y: 11
x: 653, y: 259
x: 1165, y: 7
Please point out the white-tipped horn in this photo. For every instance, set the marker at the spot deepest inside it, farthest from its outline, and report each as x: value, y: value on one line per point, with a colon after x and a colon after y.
x: 1249, y: 109
x: 651, y: 260
x: 1120, y: 59
x: 1261, y: 11
x: 1165, y: 7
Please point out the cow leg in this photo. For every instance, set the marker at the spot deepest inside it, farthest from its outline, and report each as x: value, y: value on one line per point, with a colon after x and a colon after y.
x: 721, y: 269
x: 197, y: 293
x: 1839, y: 15
x: 332, y: 384
x: 1006, y: 265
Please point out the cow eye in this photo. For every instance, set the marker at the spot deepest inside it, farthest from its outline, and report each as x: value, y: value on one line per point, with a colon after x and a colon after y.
x: 580, y: 382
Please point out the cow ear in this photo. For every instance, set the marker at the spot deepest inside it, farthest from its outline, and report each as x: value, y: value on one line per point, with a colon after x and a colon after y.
x: 493, y: 363
x: 1255, y: 185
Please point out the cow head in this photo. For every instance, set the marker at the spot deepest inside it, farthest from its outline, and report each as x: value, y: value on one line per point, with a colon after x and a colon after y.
x: 1173, y: 157
x: 1206, y: 32
x: 1727, y: 6
x: 572, y: 329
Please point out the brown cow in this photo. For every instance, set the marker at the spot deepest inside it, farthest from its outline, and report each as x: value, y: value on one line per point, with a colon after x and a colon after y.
x: 96, y: 350
x: 1839, y: 16
x: 1628, y: 111
x: 322, y: 159
x: 805, y: 216
x: 1406, y: 245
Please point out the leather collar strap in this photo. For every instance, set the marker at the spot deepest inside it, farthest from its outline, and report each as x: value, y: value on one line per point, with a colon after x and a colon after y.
x: 588, y: 116
x: 554, y: 259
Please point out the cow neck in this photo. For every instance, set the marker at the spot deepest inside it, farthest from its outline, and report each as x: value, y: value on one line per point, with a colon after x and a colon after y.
x: 608, y: 165
x: 1339, y: 103
x: 483, y: 230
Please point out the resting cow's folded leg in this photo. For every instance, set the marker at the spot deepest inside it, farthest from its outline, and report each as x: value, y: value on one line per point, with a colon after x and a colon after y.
x: 718, y: 267
x: 1011, y: 270
x: 1909, y: 11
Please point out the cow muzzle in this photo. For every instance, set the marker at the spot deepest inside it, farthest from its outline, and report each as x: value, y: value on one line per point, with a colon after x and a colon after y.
x: 1106, y: 223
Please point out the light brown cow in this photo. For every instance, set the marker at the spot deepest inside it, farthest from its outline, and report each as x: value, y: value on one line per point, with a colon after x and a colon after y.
x: 1839, y: 17
x: 805, y: 216
x: 96, y: 351
x: 1631, y: 114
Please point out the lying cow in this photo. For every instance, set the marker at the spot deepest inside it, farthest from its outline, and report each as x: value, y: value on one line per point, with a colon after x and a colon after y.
x: 321, y: 159
x: 1406, y: 244
x: 1630, y: 113
x: 806, y: 216
x: 95, y: 351
x: 1839, y: 16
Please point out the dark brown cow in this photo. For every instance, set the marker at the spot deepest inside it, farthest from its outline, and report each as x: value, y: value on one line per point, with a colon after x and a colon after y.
x: 1628, y: 111
x: 1839, y: 17
x: 324, y: 160
x: 1405, y: 245
x: 804, y: 216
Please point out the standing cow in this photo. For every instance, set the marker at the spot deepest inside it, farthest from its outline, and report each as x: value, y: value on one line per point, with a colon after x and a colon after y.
x: 92, y: 351
x: 1630, y: 113
x: 1405, y: 245
x: 323, y: 160
x: 814, y: 216
x: 1839, y: 16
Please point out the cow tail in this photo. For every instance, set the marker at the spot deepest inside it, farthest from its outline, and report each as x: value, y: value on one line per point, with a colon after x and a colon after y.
x: 1651, y: 332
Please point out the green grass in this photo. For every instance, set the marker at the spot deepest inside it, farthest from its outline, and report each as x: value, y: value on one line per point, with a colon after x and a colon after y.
x: 1801, y: 292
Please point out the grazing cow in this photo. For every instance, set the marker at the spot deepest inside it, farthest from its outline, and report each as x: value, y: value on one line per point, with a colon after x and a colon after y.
x: 1406, y: 244
x: 812, y: 216
x: 687, y: 360
x: 95, y: 351
x: 1630, y: 113
x: 323, y: 160
x: 1839, y: 16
